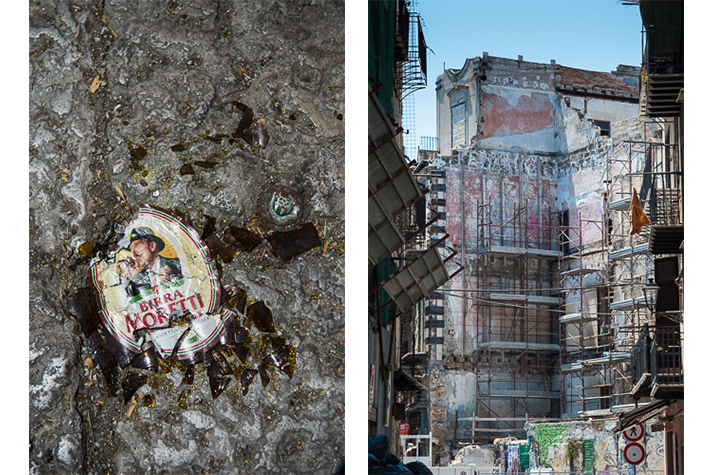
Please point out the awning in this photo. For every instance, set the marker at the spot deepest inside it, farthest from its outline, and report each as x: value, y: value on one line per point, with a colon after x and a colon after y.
x: 416, y: 281
x: 391, y: 185
x: 641, y: 414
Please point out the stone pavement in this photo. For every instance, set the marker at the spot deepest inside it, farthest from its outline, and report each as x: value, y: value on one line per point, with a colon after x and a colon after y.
x: 123, y: 95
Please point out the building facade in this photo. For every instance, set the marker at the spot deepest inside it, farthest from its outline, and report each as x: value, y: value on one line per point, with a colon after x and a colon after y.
x: 537, y: 167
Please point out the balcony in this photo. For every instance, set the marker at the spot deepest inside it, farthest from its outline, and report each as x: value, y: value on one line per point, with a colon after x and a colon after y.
x: 667, y: 232
x: 664, y: 62
x: 656, y: 363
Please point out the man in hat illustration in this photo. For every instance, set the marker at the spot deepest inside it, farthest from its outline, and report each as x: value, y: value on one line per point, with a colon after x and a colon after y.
x: 146, y: 268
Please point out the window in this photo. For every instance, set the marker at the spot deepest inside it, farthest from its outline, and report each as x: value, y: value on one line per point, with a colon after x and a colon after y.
x: 458, y: 118
x: 604, y: 126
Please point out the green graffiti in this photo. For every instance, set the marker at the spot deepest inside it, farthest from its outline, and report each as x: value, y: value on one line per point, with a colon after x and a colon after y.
x: 546, y: 436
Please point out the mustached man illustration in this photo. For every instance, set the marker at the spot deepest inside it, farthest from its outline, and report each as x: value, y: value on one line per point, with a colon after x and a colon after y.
x: 146, y: 268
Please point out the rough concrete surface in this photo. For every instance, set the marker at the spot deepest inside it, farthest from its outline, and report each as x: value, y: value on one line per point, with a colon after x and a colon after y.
x: 112, y: 79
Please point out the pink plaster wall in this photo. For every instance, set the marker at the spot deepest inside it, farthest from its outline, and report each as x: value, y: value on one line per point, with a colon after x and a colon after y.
x: 532, y: 113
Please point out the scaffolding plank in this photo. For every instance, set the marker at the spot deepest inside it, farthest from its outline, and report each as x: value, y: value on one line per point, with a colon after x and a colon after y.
x: 519, y: 345
x: 628, y: 251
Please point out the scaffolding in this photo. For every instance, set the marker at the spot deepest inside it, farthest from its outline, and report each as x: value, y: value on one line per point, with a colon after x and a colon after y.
x: 602, y: 281
x: 517, y: 336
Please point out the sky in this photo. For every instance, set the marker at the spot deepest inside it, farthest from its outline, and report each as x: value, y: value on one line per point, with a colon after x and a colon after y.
x: 597, y: 35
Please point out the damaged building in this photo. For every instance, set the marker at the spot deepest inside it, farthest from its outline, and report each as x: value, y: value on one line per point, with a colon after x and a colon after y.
x: 541, y: 181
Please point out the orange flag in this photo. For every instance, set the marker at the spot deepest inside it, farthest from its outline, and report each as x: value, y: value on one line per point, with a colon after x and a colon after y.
x: 638, y: 217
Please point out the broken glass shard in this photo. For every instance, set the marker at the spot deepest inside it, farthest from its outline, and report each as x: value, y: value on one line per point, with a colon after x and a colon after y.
x: 131, y: 383
x: 260, y: 316
x: 187, y: 169
x: 245, y: 122
x: 189, y: 376
x: 220, y: 248
x: 106, y: 360
x: 218, y: 385
x: 248, y: 240
x: 277, y: 341
x: 257, y: 134
x: 84, y: 307
x: 138, y: 153
x: 288, y: 245
x: 241, y: 351
x: 178, y: 148
x: 148, y: 400
x: 246, y: 378
x: 284, y: 359
x: 264, y: 375
x: 205, y: 164
x: 182, y: 400
x: 146, y: 360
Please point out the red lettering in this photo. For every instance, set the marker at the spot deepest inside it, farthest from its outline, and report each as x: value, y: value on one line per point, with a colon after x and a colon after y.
x: 162, y: 318
x: 177, y: 294
x: 168, y: 298
x: 171, y: 307
x: 182, y: 304
x: 199, y: 299
x: 145, y: 319
x: 157, y: 301
x: 155, y: 289
x: 191, y: 298
x: 144, y: 307
x: 132, y: 323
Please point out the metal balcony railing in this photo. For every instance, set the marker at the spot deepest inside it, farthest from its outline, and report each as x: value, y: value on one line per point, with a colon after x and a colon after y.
x: 665, y: 207
x: 666, y: 361
x: 656, y: 361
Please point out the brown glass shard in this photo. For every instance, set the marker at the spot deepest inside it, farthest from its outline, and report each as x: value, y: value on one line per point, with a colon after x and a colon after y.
x: 222, y: 363
x: 187, y: 169
x: 277, y: 341
x: 257, y: 134
x: 148, y: 400
x: 205, y: 164
x: 107, y: 362
x: 84, y: 307
x: 228, y: 337
x: 246, y: 378
x: 288, y: 245
x: 178, y: 148
x: 146, y: 360
x: 209, y: 227
x: 86, y: 248
x: 220, y: 248
x: 182, y: 400
x: 164, y: 366
x: 189, y: 377
x: 284, y: 359
x: 241, y: 351
x: 131, y: 384
x: 138, y: 153
x: 217, y: 138
x: 248, y: 240
x: 241, y: 335
x: 238, y: 300
x: 264, y: 375
x: 218, y: 385
x: 122, y: 353
x: 260, y: 316
x: 245, y: 122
